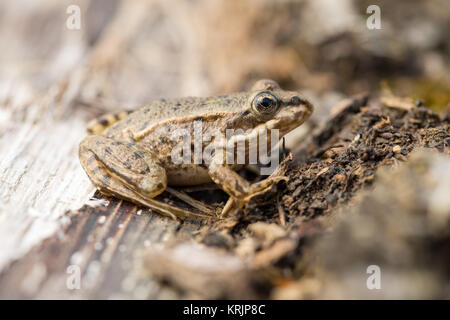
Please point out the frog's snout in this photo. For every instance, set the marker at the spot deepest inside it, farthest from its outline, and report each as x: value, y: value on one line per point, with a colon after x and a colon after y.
x: 309, y: 108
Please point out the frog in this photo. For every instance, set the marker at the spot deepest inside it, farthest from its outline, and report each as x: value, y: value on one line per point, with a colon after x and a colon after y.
x: 129, y: 154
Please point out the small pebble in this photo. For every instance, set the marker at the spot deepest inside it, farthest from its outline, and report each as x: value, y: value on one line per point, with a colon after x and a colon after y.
x: 397, y: 149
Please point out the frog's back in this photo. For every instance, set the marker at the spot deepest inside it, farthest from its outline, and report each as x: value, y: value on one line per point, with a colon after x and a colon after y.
x: 178, y: 109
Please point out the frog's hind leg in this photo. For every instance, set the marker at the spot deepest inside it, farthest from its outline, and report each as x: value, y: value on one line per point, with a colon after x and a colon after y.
x: 117, y: 168
x: 191, y: 201
x: 100, y: 124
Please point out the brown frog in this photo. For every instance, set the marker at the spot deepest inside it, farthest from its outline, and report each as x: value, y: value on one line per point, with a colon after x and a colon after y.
x: 129, y: 155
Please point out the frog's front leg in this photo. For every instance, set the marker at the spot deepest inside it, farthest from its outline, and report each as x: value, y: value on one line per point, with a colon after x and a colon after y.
x: 239, y: 189
x: 117, y: 168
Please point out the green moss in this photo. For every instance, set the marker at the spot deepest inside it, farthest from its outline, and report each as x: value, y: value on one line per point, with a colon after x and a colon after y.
x: 435, y: 93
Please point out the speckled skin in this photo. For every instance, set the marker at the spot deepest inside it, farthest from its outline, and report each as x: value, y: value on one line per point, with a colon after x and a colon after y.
x: 128, y: 154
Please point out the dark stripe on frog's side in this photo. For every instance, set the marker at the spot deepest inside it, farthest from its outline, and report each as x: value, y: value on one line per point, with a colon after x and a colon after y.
x: 178, y: 110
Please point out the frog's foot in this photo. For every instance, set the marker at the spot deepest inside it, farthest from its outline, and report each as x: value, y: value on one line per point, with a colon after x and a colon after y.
x: 239, y: 189
x: 235, y: 203
x: 191, y: 201
x: 117, y: 168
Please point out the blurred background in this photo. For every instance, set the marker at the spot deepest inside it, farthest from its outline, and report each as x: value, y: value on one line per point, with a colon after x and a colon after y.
x: 126, y: 53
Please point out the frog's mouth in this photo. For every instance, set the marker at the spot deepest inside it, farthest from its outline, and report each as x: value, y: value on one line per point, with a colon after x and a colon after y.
x: 290, y: 117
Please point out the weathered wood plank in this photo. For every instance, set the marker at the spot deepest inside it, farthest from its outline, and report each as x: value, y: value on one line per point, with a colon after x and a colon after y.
x: 41, y: 179
x: 103, y: 243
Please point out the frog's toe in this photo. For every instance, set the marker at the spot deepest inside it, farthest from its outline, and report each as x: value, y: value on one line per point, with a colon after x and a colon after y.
x: 277, y: 179
x: 232, y: 205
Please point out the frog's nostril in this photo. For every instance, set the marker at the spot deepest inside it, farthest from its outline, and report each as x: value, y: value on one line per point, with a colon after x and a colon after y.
x: 295, y: 100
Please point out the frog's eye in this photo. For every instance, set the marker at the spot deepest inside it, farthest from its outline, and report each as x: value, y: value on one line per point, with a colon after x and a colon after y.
x: 265, y: 104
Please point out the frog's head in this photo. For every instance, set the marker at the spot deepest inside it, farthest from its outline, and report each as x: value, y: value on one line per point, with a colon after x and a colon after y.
x: 270, y: 107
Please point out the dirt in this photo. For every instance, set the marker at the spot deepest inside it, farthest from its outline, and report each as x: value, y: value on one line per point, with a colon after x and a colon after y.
x: 342, y: 156
x: 400, y: 226
x: 338, y: 161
